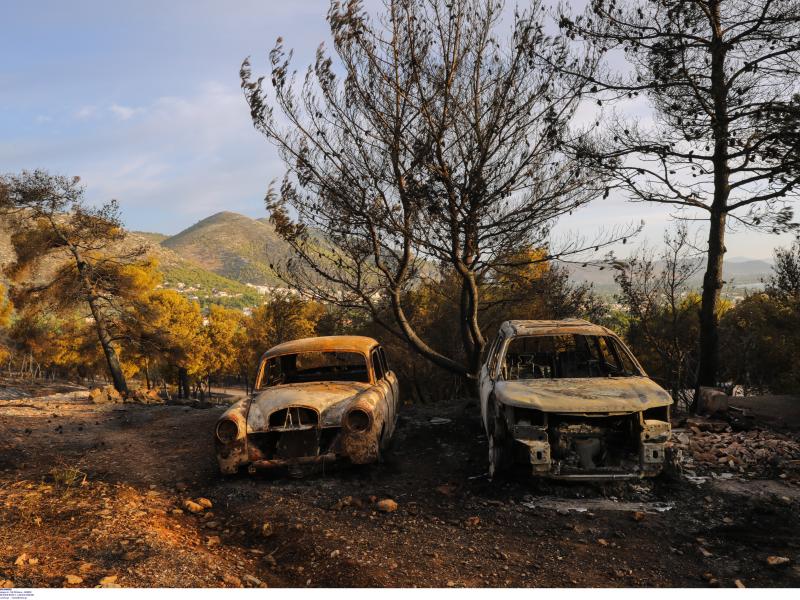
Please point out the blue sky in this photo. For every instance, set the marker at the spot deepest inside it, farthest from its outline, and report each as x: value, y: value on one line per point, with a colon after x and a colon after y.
x: 142, y: 100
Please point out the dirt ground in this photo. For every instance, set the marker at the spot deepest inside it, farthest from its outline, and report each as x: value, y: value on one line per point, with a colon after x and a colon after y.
x: 93, y: 495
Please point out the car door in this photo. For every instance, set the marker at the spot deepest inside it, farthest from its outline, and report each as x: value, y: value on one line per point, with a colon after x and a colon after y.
x: 394, y: 385
x: 385, y: 390
x: 487, y: 377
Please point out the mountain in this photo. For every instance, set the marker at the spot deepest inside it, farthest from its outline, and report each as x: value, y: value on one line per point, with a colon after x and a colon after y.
x: 233, y: 246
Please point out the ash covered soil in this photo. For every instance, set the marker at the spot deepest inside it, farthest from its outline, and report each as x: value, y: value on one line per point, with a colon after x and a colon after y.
x: 96, y: 495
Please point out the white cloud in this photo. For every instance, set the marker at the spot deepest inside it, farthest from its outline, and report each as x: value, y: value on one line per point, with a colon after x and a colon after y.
x: 85, y: 112
x: 180, y: 159
x: 124, y: 112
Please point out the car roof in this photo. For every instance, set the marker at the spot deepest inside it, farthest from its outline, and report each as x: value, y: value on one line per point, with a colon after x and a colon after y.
x: 530, y: 327
x: 326, y: 343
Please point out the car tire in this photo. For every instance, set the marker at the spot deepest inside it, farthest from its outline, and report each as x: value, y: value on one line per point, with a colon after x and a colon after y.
x: 500, y: 456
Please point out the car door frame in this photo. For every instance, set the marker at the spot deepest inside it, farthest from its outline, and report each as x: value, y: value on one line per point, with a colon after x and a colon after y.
x: 387, y: 391
x: 488, y: 376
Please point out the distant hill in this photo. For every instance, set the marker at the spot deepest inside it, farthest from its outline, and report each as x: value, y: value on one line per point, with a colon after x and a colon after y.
x: 179, y: 273
x: 233, y: 246
x: 737, y: 271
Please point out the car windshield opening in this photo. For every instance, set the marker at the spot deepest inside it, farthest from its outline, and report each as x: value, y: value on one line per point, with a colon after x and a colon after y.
x: 305, y: 367
x: 566, y: 356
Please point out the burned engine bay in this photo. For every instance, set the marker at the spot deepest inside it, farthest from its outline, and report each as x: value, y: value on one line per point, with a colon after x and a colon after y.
x: 590, y: 446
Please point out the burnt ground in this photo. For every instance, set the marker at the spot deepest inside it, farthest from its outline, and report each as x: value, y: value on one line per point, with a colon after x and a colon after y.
x: 96, y: 491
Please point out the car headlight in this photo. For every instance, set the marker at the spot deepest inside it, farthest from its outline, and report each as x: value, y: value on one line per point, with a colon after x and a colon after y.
x: 358, y: 420
x: 227, y: 431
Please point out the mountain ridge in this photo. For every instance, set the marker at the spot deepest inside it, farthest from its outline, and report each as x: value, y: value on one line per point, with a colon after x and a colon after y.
x: 232, y: 245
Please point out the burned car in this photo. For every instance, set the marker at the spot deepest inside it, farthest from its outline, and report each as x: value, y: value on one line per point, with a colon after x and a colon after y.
x: 569, y: 399
x: 314, y: 400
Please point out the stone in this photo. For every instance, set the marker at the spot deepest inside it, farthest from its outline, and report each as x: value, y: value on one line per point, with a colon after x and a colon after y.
x: 738, y: 583
x: 266, y: 529
x: 72, y: 580
x: 777, y: 561
x: 6, y: 584
x: 447, y: 489
x: 472, y: 521
x: 254, y: 581
x: 342, y: 503
x: 712, y: 401
x: 204, y: 502
x: 85, y: 567
x: 105, y: 395
x: 386, y: 505
x: 108, y: 580
x: 146, y: 397
x: 638, y: 516
x: 232, y: 580
x: 212, y: 540
x: 22, y: 559
x: 192, y: 507
x: 335, y: 553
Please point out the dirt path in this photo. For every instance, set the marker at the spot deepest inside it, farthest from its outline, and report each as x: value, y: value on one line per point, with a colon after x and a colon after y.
x: 452, y: 526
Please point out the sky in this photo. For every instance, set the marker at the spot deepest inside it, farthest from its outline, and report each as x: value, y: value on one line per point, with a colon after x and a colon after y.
x: 142, y: 101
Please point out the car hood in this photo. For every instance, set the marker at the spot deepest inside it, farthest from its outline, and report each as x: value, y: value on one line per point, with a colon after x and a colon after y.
x: 329, y: 398
x: 584, y: 395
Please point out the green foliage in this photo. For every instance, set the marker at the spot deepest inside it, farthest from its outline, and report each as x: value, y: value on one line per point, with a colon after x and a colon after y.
x: 6, y: 309
x: 207, y: 286
x: 760, y: 341
x: 760, y: 337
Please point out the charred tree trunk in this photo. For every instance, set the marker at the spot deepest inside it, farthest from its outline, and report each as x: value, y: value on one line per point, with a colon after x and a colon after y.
x: 112, y: 360
x: 709, y: 322
x: 114, y: 368
x: 712, y: 282
x: 183, y: 383
x: 147, y: 374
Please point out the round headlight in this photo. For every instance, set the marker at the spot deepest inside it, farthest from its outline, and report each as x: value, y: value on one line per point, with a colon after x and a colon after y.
x: 357, y: 420
x: 227, y: 431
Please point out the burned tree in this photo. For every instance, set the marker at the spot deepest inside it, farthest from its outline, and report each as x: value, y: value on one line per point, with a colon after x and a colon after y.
x: 430, y: 148
x: 69, y: 255
x: 720, y: 76
x: 663, y: 328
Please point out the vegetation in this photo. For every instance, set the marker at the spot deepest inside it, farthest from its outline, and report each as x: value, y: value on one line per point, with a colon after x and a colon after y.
x: 209, y: 287
x: 85, y: 270
x: 761, y: 336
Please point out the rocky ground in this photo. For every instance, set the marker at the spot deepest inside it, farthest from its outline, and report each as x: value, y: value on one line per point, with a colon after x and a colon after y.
x: 129, y: 495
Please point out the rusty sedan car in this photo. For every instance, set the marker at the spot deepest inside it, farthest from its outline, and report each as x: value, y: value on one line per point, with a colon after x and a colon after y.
x: 568, y: 399
x: 314, y: 400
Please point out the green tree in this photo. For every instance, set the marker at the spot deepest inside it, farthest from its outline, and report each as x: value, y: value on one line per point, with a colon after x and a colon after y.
x: 282, y: 318
x: 226, y: 340
x: 6, y: 308
x: 761, y: 335
x: 70, y: 255
x: 172, y: 333
x: 663, y: 325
